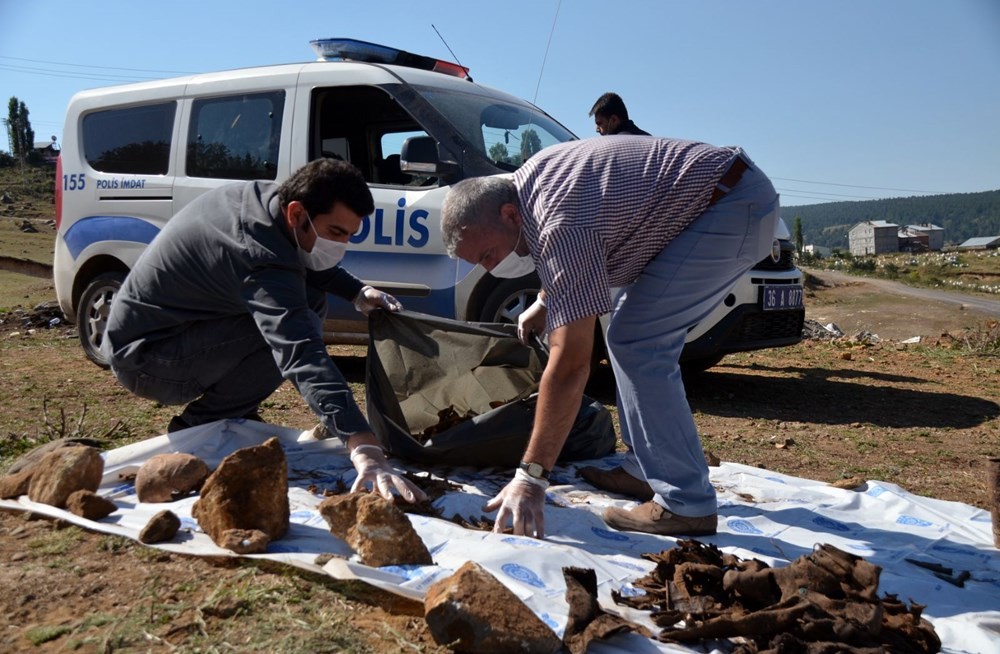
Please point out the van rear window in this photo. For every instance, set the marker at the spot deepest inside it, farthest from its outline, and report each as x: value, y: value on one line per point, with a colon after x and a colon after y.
x: 235, y: 137
x: 133, y: 140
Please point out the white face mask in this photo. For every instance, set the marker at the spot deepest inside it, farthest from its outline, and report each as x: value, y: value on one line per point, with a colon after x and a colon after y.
x: 513, y: 265
x: 325, y: 253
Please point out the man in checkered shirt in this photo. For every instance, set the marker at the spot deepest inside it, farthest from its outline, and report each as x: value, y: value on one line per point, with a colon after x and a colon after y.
x: 673, y: 224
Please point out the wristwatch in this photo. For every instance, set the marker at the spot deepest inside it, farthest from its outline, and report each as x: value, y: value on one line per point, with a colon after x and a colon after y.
x: 535, y: 470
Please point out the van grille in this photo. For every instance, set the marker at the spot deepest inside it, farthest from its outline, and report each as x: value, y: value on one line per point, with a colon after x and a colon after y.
x: 786, y: 262
x: 770, y: 325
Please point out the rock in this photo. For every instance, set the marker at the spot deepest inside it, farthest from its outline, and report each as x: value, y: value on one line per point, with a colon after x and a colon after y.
x: 17, y: 484
x: 168, y: 477
x: 245, y: 541
x: 587, y: 621
x: 30, y: 459
x: 161, y: 527
x: 63, y: 471
x: 88, y: 504
x: 471, y: 611
x: 249, y: 490
x: 377, y: 530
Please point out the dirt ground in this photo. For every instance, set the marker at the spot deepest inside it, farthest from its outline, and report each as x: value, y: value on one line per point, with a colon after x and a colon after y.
x: 922, y: 415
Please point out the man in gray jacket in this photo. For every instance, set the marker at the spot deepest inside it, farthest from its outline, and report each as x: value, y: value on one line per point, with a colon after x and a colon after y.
x: 229, y: 299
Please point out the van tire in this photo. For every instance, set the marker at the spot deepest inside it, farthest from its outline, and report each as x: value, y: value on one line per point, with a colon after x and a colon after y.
x: 509, y: 298
x: 92, y: 313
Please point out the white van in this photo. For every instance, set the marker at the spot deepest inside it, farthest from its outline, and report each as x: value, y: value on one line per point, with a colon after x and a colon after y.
x: 134, y: 155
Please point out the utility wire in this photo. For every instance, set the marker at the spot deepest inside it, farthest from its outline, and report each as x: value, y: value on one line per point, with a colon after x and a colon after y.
x: 136, y: 70
x: 874, y: 188
x: 546, y: 55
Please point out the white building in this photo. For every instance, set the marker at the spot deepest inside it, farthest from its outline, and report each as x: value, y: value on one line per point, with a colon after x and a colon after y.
x: 873, y: 237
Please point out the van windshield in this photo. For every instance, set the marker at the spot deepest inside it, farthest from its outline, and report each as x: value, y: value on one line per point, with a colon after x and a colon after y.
x: 501, y: 128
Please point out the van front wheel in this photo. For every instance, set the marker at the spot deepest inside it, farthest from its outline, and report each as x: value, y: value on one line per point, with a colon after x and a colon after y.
x: 510, y: 298
x: 93, y: 311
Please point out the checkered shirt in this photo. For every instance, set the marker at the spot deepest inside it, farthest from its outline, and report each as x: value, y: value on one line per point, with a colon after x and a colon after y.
x: 597, y: 211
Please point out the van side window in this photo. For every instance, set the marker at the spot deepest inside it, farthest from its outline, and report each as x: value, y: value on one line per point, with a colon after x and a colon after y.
x: 134, y: 140
x: 235, y: 137
x: 366, y: 126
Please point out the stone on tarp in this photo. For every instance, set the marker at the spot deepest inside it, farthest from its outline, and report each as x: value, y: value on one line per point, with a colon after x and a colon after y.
x: 161, y: 527
x: 378, y: 531
x: 63, y: 471
x: 471, y: 611
x: 169, y: 477
x: 587, y: 621
x: 248, y: 491
x: 88, y: 504
x: 15, y: 485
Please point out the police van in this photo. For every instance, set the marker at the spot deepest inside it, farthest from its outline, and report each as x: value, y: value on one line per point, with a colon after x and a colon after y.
x: 134, y: 155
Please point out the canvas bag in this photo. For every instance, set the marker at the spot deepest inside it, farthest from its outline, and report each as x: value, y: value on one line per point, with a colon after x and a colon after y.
x: 420, y: 366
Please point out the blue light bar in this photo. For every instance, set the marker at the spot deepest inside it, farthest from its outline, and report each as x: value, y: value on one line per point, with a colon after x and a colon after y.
x: 355, y: 50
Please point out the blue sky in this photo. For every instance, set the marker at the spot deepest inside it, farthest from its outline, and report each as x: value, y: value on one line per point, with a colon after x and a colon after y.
x: 835, y: 100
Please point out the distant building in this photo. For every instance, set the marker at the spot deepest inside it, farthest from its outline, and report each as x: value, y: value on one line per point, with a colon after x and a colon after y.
x: 980, y: 243
x: 47, y: 150
x: 921, y: 238
x: 817, y: 250
x: 873, y: 237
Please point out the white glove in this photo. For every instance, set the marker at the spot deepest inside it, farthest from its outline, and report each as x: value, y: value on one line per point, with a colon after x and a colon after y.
x: 374, y: 469
x: 532, y: 321
x: 368, y: 299
x: 522, y: 501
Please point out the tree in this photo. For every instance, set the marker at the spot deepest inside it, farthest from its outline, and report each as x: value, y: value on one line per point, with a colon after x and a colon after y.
x: 19, y: 132
x: 530, y: 144
x: 498, y: 152
x: 797, y: 234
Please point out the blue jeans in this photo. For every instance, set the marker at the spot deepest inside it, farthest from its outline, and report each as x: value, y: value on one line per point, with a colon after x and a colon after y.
x: 649, y: 322
x: 220, y: 368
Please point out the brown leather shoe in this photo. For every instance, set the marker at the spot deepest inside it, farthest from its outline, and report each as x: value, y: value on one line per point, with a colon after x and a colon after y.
x: 651, y: 518
x: 618, y: 481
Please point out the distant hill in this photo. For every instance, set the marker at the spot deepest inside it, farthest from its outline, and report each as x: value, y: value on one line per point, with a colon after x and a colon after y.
x: 962, y: 215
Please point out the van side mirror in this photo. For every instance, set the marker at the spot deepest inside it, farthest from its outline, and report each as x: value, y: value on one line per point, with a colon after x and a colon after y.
x: 420, y: 155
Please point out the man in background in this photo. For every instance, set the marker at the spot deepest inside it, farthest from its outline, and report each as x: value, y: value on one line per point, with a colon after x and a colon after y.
x: 611, y: 117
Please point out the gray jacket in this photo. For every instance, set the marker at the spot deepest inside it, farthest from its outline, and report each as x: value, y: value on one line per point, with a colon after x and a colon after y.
x: 227, y: 254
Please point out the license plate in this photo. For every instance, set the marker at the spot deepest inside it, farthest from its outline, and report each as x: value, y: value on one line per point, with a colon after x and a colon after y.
x: 781, y: 298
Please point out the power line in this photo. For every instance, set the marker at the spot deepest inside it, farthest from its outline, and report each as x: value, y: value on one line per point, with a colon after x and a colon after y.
x: 874, y: 188
x: 135, y: 70
x: 71, y: 75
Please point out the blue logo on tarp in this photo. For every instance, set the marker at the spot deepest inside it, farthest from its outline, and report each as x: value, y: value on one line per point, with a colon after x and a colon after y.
x: 608, y: 535
x: 741, y: 526
x: 875, y: 491
x: 530, y: 542
x: 911, y: 521
x: 405, y: 571
x: 523, y: 574
x: 823, y: 521
x: 274, y: 548
x: 301, y: 516
x: 549, y: 620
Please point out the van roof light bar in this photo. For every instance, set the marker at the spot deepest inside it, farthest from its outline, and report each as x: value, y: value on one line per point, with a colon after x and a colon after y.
x: 355, y: 50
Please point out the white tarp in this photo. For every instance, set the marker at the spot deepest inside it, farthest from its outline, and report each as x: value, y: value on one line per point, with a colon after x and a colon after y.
x: 762, y: 514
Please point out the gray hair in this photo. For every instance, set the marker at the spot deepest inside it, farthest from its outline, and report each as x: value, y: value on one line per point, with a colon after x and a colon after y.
x: 474, y: 203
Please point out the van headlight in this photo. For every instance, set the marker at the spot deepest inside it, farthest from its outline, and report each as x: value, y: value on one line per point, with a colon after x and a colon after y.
x: 775, y: 251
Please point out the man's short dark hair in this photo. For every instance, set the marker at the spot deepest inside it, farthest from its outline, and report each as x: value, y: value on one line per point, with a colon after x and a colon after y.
x: 321, y: 183
x: 610, y: 104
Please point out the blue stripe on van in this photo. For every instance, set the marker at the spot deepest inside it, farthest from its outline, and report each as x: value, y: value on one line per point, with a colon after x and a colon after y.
x: 92, y: 229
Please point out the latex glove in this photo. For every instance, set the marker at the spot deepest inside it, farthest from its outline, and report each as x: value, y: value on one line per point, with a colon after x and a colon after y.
x: 531, y: 321
x: 374, y: 469
x: 368, y: 299
x: 522, y: 501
